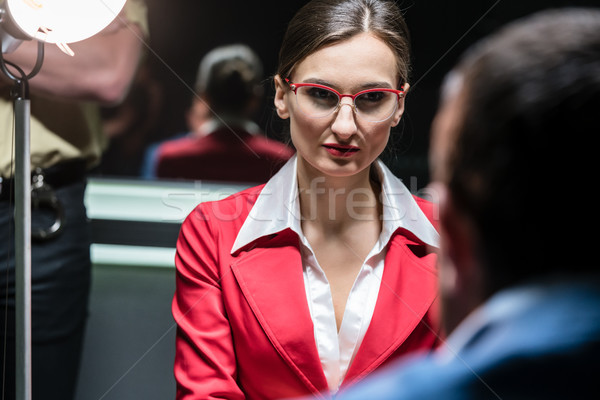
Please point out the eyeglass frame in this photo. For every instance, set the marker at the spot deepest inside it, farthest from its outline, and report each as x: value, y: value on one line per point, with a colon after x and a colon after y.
x: 294, y: 87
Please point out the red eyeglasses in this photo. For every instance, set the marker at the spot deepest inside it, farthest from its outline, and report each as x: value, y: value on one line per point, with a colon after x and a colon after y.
x: 319, y: 101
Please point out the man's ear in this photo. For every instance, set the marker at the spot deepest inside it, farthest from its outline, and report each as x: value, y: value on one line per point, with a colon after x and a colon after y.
x: 460, y: 275
x: 400, y: 111
x: 460, y: 269
x: 281, y: 92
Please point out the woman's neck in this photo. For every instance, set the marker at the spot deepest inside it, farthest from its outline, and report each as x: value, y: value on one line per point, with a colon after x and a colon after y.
x: 333, y: 203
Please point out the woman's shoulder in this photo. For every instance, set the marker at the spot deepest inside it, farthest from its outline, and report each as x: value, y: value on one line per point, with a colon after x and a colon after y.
x: 214, y: 225
x: 233, y: 207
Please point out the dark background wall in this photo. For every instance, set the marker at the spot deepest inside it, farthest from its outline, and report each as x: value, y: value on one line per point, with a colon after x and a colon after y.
x: 182, y: 31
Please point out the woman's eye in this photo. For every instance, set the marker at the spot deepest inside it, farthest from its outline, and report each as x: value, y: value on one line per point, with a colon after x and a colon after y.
x: 322, y: 94
x: 372, y: 97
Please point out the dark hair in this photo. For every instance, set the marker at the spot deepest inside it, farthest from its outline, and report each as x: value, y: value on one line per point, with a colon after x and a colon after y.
x: 229, y: 77
x: 322, y: 23
x: 525, y: 153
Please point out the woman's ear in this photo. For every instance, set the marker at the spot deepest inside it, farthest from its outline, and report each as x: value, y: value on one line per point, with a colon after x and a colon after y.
x: 400, y: 110
x: 280, y: 98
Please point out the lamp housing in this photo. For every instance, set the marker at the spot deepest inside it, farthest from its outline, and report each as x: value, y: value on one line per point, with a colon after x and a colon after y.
x: 54, y: 21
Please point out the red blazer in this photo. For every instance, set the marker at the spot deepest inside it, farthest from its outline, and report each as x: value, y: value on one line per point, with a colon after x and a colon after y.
x: 244, y: 327
x: 223, y: 155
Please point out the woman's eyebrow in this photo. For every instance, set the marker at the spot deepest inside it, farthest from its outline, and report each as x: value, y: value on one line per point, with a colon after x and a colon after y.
x: 318, y: 81
x: 373, y: 85
x: 364, y: 86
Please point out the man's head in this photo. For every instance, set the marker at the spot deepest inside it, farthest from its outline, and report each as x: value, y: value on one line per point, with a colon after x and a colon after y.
x: 513, y: 158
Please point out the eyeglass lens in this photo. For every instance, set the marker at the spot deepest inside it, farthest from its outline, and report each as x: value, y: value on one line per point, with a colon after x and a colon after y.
x: 317, y: 102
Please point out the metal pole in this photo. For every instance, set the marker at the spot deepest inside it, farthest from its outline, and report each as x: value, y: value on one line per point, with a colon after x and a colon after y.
x: 23, y: 248
x: 22, y: 115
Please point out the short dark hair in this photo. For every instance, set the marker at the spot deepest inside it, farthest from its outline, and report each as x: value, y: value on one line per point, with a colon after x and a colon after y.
x: 321, y: 23
x: 524, y: 154
x: 230, y: 77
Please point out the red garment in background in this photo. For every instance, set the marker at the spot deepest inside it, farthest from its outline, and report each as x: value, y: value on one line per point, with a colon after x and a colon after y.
x: 227, y: 154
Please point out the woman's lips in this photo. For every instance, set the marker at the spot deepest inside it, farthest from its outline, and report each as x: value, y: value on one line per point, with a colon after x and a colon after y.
x: 340, y: 150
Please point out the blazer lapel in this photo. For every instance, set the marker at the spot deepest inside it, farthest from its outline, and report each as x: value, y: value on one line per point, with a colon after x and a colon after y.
x: 408, y: 289
x: 271, y: 280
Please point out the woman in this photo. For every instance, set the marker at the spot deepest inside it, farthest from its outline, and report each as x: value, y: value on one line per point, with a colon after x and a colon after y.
x: 307, y: 284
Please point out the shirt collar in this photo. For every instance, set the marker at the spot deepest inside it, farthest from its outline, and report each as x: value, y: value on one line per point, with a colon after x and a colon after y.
x: 278, y: 207
x: 540, y: 295
x: 230, y: 122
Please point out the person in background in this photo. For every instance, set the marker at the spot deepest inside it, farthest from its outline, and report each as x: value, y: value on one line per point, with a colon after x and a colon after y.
x: 223, y: 143
x: 195, y: 116
x: 309, y: 283
x: 66, y: 141
x: 512, y: 157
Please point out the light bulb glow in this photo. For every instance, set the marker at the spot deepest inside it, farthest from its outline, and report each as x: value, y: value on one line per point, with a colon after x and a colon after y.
x: 63, y: 21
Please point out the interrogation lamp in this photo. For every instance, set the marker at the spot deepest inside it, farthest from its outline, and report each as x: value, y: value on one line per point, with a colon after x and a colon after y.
x: 45, y: 21
x: 54, y: 21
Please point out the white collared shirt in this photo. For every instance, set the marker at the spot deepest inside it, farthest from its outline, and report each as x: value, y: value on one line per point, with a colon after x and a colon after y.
x: 278, y: 207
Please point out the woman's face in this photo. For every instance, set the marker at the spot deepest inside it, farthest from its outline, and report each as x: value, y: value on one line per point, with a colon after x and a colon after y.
x: 362, y: 62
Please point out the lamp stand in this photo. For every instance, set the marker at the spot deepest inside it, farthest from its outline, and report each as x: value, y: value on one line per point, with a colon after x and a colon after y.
x: 22, y: 179
x: 22, y: 249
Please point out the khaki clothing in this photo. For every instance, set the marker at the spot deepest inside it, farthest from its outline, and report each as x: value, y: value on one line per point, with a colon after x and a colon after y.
x: 60, y: 130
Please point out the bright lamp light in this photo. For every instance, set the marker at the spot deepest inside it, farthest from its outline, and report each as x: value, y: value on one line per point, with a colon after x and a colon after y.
x: 61, y: 21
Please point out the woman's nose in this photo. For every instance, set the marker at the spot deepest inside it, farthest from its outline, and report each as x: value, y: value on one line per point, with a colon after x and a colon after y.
x: 344, y: 124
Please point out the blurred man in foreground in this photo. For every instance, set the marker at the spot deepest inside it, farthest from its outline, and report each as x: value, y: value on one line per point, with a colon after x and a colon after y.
x: 512, y: 161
